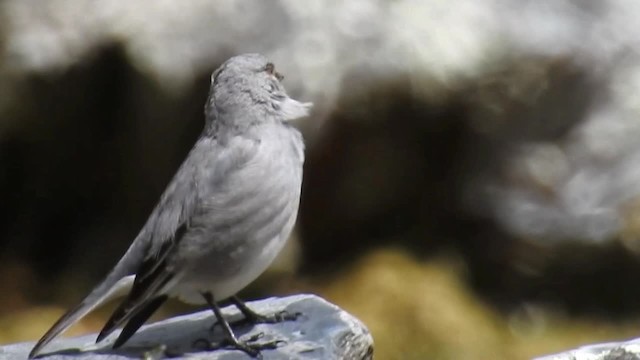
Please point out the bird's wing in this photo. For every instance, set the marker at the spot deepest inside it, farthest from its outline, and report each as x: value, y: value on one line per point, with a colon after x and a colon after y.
x: 143, y: 299
x: 148, y: 252
x: 153, y: 273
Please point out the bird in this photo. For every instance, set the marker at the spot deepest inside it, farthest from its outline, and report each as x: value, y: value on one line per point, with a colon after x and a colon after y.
x: 223, y: 217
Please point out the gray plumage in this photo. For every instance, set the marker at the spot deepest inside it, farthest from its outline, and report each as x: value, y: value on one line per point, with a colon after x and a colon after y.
x: 226, y: 213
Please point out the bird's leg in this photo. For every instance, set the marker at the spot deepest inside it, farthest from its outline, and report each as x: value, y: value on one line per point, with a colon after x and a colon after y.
x: 230, y: 338
x: 255, y: 318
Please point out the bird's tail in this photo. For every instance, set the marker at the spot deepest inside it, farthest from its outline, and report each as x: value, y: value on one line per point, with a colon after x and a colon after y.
x: 116, y: 284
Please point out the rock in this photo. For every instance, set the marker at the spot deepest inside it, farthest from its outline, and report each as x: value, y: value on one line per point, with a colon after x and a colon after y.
x: 322, y: 331
x: 623, y: 350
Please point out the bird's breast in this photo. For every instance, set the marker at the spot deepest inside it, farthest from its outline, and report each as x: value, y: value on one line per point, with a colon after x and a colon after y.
x: 246, y: 218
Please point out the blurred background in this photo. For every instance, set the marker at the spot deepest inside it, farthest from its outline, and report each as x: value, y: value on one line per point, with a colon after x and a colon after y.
x: 472, y: 179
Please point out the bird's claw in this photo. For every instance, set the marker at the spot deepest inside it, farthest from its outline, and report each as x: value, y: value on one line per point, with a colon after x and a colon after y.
x: 250, y: 347
x: 278, y: 317
x: 284, y: 315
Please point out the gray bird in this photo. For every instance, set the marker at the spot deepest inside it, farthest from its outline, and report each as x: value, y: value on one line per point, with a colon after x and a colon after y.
x: 224, y: 216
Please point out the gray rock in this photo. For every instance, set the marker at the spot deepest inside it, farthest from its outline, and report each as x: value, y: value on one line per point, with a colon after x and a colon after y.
x: 623, y: 350
x: 322, y: 331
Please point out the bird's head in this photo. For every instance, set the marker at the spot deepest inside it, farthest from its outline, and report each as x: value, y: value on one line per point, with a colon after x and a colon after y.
x: 248, y: 86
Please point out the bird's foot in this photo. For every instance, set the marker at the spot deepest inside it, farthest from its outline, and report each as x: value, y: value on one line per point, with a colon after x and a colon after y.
x: 253, y: 317
x: 281, y: 316
x: 251, y: 347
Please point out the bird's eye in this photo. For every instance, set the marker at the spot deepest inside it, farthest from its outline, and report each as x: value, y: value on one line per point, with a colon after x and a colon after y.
x: 270, y: 68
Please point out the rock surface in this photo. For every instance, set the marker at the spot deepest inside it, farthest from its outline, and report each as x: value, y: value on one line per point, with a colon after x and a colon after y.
x: 322, y: 331
x: 623, y: 350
